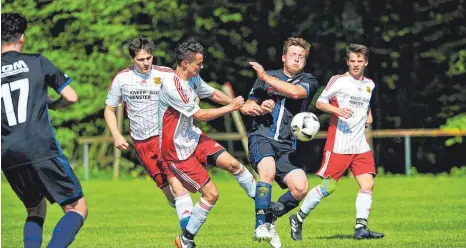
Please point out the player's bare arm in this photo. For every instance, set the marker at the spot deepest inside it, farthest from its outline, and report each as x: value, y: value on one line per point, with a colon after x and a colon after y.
x: 220, y: 97
x: 68, y: 98
x: 329, y: 108
x: 252, y: 108
x: 210, y: 114
x: 287, y: 89
x: 369, y: 118
x: 111, y: 120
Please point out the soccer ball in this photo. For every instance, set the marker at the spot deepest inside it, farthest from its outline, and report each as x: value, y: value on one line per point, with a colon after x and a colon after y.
x: 305, y: 126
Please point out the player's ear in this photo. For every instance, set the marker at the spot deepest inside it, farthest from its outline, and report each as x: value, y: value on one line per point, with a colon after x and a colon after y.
x: 184, y: 63
x: 283, y: 58
x: 21, y: 39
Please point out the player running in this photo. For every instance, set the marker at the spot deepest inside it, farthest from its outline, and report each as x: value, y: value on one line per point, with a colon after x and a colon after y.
x: 32, y: 160
x: 272, y: 146
x: 347, y: 98
x: 186, y: 149
x: 139, y: 87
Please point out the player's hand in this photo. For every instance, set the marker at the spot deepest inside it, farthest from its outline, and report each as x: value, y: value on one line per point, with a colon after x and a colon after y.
x: 345, y: 113
x: 259, y: 70
x: 369, y: 121
x: 252, y: 109
x: 237, y: 103
x: 121, y: 143
x: 268, y: 105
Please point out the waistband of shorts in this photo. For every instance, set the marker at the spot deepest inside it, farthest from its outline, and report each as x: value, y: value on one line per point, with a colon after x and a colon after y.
x: 144, y: 141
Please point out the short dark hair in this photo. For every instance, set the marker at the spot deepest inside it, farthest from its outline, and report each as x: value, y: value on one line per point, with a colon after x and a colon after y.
x: 187, y: 50
x: 357, y: 48
x: 13, y: 26
x: 140, y: 43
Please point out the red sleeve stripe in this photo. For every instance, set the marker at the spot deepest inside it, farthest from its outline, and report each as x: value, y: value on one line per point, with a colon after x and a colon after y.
x: 124, y: 70
x: 180, y: 90
x: 160, y: 68
x: 332, y: 80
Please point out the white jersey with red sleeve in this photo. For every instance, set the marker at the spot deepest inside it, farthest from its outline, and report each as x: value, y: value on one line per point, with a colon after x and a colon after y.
x: 140, y: 93
x: 177, y: 105
x: 346, y: 136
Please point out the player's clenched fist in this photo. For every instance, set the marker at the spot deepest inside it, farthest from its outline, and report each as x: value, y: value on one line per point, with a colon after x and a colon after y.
x: 268, y: 105
x: 237, y: 103
x: 121, y: 143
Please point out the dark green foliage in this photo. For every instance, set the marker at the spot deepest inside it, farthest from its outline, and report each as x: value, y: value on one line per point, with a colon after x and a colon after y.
x: 418, y: 55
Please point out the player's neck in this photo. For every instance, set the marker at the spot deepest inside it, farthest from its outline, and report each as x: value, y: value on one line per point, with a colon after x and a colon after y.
x: 12, y: 47
x: 183, y: 74
x: 289, y: 74
x: 357, y: 76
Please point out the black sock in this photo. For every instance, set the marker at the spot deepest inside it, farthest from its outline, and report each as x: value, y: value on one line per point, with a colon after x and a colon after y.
x: 188, y: 235
x: 288, y: 201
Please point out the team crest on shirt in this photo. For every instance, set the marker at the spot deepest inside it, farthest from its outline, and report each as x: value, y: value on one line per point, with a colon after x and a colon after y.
x: 157, y: 80
x: 368, y: 89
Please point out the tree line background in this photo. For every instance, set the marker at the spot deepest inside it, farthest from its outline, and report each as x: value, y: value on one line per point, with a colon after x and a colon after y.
x: 417, y: 60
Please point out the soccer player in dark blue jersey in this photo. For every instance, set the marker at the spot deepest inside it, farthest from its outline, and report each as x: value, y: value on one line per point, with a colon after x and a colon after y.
x: 32, y: 160
x: 275, y: 98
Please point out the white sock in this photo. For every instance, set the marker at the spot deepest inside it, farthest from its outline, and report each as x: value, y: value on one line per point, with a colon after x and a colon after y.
x: 199, y: 215
x: 363, y: 205
x: 184, y: 207
x: 246, y: 181
x: 311, y: 200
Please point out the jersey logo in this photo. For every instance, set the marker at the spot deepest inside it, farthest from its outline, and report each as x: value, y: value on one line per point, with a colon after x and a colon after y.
x: 15, y: 68
x: 157, y: 80
x: 368, y: 89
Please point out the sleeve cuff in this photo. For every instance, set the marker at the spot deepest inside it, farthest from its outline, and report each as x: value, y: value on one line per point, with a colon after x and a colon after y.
x: 64, y: 85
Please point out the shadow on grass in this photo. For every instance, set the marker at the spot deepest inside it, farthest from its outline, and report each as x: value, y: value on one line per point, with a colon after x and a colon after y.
x: 338, y: 236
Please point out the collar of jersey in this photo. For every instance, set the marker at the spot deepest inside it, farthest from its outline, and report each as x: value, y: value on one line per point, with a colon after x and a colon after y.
x: 141, y: 75
x: 364, y: 79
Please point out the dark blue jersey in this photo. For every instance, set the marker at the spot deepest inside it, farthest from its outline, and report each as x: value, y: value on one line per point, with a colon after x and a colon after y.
x: 277, y: 124
x: 27, y: 135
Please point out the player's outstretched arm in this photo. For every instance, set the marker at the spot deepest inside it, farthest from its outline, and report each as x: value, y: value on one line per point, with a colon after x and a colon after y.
x: 213, y: 113
x: 220, y: 97
x: 287, y: 89
x: 68, y: 98
x: 111, y: 120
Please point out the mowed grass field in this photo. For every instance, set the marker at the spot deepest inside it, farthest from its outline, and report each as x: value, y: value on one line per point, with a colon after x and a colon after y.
x: 412, y: 212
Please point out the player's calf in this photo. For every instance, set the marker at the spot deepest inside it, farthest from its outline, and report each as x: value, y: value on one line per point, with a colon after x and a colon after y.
x: 69, y: 225
x: 33, y: 228
x: 199, y: 214
x: 312, y: 199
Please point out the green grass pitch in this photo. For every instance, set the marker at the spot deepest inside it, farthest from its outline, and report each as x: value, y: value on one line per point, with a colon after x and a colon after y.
x: 412, y: 212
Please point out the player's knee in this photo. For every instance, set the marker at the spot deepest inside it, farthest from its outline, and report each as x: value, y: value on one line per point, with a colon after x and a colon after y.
x: 211, y: 195
x: 327, y: 186
x: 368, y: 186
x: 177, y: 188
x: 79, y: 206
x: 40, y: 210
x: 299, y: 190
x: 266, y: 171
x: 235, y: 166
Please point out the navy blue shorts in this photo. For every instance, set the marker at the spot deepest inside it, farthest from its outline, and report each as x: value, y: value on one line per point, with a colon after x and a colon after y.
x: 286, y: 158
x: 53, y: 179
